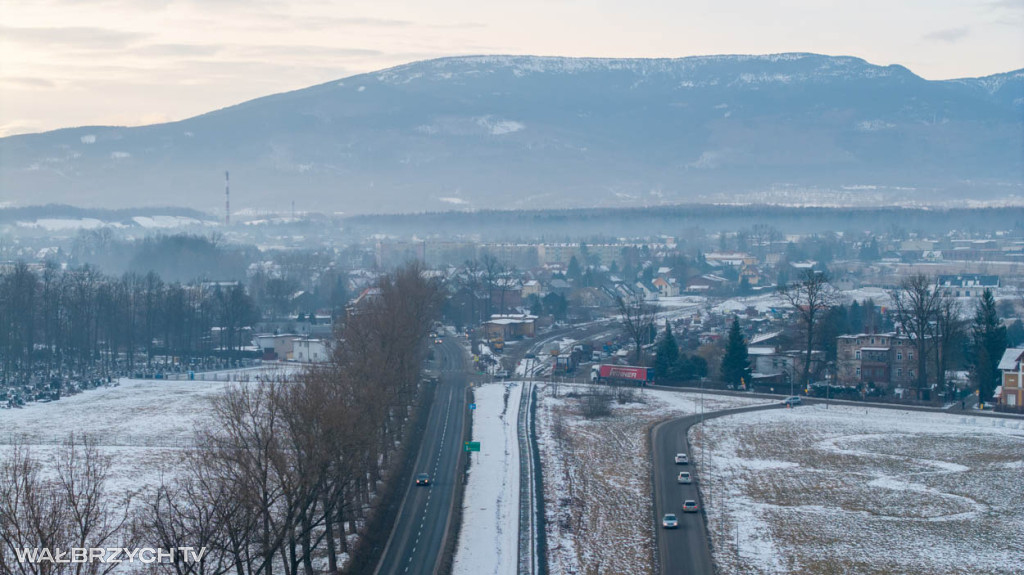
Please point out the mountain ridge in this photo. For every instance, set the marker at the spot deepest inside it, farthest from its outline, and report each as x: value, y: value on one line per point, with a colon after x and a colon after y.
x: 522, y: 131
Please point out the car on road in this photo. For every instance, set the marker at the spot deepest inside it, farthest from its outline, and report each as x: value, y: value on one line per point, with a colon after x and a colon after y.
x: 438, y: 340
x: 530, y: 356
x: 684, y: 477
x: 422, y: 479
x: 682, y: 459
x: 690, y: 506
x: 792, y: 401
x: 670, y: 521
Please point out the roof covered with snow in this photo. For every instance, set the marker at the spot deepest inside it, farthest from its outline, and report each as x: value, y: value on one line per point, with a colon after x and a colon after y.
x: 1011, y: 359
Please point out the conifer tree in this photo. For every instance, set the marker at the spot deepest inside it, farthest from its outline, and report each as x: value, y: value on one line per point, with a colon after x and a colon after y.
x: 666, y: 363
x: 989, y: 343
x: 736, y: 363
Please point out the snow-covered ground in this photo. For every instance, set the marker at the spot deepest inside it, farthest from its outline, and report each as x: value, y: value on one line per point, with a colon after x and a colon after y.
x: 141, y: 423
x: 489, y: 538
x: 597, y: 482
x: 863, y: 490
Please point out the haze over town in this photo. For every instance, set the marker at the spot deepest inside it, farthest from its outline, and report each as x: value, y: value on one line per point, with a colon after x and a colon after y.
x: 512, y: 288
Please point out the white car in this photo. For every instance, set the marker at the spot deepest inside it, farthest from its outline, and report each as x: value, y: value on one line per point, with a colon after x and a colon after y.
x: 670, y: 521
x: 682, y: 459
x: 684, y: 477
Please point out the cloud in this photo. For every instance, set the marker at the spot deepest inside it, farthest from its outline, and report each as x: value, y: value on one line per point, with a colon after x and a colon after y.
x: 949, y: 35
x: 26, y: 126
x: 1008, y: 4
x: 328, y: 22
x: 177, y: 50
x: 458, y: 26
x: 27, y: 82
x: 303, y: 51
x: 86, y: 38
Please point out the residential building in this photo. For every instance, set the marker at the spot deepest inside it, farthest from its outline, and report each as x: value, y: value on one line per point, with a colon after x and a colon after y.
x: 1011, y: 392
x: 882, y: 359
x: 309, y: 350
x: 510, y: 326
x: 275, y: 346
x: 667, y: 287
x: 965, y: 285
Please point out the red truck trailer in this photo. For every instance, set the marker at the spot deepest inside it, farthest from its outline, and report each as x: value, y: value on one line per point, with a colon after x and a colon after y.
x: 622, y: 374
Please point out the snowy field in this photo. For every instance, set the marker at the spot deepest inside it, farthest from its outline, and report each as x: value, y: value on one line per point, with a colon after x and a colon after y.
x: 597, y: 476
x: 141, y: 423
x: 863, y: 490
x: 489, y: 538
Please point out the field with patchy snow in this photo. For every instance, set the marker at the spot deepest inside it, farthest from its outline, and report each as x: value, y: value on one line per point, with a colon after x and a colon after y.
x: 597, y: 476
x: 863, y: 490
x: 142, y: 424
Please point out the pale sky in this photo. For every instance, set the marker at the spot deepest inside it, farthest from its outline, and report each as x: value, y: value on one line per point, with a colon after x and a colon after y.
x: 70, y: 63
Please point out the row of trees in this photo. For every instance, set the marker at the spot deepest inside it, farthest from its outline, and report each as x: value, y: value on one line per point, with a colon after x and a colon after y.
x: 671, y: 365
x: 281, y: 477
x: 81, y: 320
x: 935, y: 322
x: 942, y: 333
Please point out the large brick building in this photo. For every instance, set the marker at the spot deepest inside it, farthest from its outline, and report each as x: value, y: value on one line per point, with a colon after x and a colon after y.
x: 884, y: 359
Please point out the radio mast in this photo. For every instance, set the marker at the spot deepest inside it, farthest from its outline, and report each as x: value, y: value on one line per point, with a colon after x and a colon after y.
x: 227, y: 200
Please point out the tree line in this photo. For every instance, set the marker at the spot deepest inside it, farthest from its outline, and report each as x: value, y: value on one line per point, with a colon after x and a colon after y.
x: 943, y: 333
x: 282, y: 477
x: 80, y: 321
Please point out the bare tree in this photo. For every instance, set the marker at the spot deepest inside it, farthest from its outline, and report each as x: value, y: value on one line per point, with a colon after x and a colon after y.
x: 811, y: 297
x: 493, y: 270
x: 917, y: 306
x: 637, y: 318
x: 70, y: 508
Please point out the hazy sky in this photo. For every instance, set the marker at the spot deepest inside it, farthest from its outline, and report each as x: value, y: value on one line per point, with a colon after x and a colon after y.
x: 128, y: 62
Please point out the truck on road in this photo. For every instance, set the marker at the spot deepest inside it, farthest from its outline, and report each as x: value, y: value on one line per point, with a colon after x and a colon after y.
x: 622, y: 374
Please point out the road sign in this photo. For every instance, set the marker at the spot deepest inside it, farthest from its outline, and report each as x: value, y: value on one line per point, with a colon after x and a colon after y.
x: 471, y: 446
x: 472, y: 406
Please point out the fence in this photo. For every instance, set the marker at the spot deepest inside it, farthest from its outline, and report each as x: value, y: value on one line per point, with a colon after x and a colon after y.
x: 100, y: 440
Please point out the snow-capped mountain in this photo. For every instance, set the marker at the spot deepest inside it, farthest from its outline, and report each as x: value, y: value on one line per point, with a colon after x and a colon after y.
x: 537, y: 132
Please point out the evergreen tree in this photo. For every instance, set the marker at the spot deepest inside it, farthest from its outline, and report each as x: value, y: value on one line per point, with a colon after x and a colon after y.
x: 574, y: 272
x: 1015, y: 334
x: 666, y: 362
x: 856, y: 316
x: 834, y: 324
x: 735, y: 363
x: 692, y: 367
x: 989, y: 343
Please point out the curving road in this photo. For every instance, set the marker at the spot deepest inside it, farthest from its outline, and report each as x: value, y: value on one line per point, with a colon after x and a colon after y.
x: 421, y: 529
x: 686, y: 550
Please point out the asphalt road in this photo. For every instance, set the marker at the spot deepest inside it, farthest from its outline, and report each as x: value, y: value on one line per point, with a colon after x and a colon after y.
x: 685, y: 550
x: 418, y: 538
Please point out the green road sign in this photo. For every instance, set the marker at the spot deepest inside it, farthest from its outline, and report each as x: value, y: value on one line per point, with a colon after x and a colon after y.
x: 471, y: 446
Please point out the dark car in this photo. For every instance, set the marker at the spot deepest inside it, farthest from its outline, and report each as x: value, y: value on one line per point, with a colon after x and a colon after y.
x: 422, y: 479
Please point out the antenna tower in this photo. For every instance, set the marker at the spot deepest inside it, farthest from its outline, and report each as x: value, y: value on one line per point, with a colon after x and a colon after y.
x: 227, y: 200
